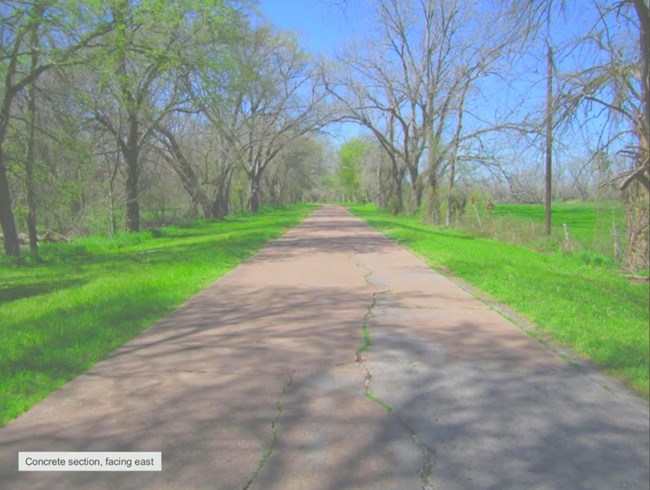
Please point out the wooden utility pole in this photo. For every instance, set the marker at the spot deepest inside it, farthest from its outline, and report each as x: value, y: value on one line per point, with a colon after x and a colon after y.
x: 549, y: 140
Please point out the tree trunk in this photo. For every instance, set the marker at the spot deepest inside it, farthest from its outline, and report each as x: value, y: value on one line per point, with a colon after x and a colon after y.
x: 396, y: 201
x: 638, y: 216
x: 111, y: 209
x: 433, y: 160
x: 643, y: 12
x: 219, y: 209
x: 433, y: 200
x: 110, y: 177
x: 31, y: 144
x: 256, y: 193
x: 221, y: 201
x: 450, y: 187
x: 203, y: 201
x: 638, y: 212
x: 132, y: 204
x: 11, y: 245
x: 132, y: 173
x: 416, y: 188
x: 226, y: 193
x: 548, y: 195
x: 10, y: 235
x: 182, y: 167
x: 379, y: 200
x: 30, y: 163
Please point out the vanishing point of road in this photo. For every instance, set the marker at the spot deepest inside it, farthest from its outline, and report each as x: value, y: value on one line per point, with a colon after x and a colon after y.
x: 335, y: 359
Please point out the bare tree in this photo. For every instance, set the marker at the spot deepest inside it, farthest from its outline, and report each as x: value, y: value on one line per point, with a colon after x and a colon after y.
x: 607, y: 88
x: 380, y: 84
x: 411, y: 84
x: 612, y: 89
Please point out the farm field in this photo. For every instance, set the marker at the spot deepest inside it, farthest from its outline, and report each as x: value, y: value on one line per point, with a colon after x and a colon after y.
x: 595, y: 311
x: 60, y: 316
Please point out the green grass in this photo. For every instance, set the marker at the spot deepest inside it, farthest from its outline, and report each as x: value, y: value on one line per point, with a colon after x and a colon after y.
x: 595, y: 311
x: 590, y: 224
x: 583, y: 217
x: 61, y: 315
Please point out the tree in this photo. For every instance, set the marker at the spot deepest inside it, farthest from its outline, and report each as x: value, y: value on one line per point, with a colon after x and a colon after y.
x: 607, y: 90
x: 216, y: 84
x: 379, y: 84
x: 410, y: 84
x: 611, y: 90
x: 349, y: 168
x: 36, y: 37
x: 139, y: 76
x: 179, y: 162
x: 267, y: 99
x: 294, y: 175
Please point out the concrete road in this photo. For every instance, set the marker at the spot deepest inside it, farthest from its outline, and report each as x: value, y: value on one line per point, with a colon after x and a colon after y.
x: 256, y: 383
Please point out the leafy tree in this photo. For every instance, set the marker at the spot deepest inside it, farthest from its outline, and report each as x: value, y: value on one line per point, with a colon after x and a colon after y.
x: 36, y: 37
x: 351, y: 157
x: 139, y: 78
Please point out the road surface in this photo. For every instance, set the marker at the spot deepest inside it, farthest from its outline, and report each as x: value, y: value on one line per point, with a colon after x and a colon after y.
x: 261, y: 381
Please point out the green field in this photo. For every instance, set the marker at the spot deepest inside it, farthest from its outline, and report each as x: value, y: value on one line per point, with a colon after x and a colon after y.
x: 592, y: 226
x: 593, y: 310
x: 60, y: 316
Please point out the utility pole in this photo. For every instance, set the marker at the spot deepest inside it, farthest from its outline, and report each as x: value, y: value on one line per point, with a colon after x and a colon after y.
x: 549, y: 140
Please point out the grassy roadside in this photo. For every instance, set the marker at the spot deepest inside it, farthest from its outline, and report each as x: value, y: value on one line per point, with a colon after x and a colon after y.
x: 61, y: 316
x: 602, y: 316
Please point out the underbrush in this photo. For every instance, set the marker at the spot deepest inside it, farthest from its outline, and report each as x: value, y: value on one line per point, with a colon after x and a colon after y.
x: 594, y: 231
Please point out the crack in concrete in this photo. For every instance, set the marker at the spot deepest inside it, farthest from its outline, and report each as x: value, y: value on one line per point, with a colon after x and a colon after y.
x: 426, y: 471
x: 367, y: 342
x: 274, y: 432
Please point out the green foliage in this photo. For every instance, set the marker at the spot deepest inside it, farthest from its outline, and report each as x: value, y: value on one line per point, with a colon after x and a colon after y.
x: 349, y: 168
x: 61, y: 315
x: 600, y: 314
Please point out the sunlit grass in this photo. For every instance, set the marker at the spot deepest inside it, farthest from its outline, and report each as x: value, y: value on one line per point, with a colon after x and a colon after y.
x: 594, y: 310
x: 62, y: 314
x: 593, y: 227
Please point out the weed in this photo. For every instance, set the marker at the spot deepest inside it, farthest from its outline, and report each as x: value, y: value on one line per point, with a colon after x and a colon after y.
x: 371, y: 396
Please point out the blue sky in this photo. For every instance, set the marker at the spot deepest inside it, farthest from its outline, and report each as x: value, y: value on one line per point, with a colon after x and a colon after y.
x: 321, y: 27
